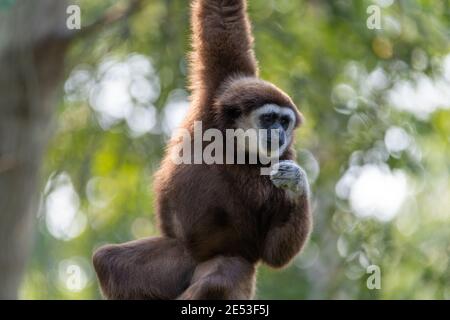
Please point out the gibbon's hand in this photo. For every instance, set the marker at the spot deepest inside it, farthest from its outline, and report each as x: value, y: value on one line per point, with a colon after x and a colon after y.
x: 288, y: 175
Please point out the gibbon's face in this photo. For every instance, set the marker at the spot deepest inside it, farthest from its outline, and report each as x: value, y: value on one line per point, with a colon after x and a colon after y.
x: 265, y: 114
x: 272, y: 127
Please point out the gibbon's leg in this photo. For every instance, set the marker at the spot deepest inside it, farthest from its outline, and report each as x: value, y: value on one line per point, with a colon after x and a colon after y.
x: 152, y: 268
x: 230, y: 278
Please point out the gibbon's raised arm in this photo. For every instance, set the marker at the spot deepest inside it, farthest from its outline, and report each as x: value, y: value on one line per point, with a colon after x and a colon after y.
x: 222, y: 45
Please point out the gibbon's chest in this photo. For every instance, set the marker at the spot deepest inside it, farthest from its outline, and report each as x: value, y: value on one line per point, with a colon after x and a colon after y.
x: 256, y: 198
x: 255, y: 190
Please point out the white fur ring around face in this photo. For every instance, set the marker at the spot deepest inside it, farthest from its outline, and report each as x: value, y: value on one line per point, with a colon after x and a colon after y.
x: 288, y: 175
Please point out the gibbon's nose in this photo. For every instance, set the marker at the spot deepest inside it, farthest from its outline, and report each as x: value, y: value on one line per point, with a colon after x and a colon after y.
x: 279, y: 133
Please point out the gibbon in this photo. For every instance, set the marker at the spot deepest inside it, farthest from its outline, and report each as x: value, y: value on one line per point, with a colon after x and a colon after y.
x: 218, y: 221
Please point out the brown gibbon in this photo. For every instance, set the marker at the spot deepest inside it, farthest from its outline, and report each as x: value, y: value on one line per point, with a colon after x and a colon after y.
x: 218, y: 221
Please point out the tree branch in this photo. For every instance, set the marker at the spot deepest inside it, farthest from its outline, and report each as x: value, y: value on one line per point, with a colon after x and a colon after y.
x: 111, y: 16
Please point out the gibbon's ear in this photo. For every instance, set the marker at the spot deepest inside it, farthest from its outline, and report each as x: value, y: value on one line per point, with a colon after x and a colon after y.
x: 299, y: 119
x: 232, y: 112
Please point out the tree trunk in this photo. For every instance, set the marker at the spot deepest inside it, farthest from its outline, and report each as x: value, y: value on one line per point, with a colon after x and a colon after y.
x: 32, y: 50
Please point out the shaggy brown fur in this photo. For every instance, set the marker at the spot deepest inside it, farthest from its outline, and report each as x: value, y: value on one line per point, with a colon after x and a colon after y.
x: 217, y: 221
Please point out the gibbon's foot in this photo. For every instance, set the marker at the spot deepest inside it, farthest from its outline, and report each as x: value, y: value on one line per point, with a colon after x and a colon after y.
x: 222, y: 278
x: 288, y: 175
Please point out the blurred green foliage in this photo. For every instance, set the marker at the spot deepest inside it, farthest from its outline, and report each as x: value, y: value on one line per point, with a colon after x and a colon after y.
x: 346, y: 79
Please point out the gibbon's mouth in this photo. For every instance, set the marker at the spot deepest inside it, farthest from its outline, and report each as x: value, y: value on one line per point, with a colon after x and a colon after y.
x: 272, y: 143
x: 275, y: 144
x: 271, y: 152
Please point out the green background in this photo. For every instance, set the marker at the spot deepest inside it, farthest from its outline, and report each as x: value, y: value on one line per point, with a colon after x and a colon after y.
x: 342, y: 75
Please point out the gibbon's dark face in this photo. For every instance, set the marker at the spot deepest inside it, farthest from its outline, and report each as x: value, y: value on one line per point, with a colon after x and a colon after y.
x: 266, y: 115
x: 276, y: 120
x: 273, y: 127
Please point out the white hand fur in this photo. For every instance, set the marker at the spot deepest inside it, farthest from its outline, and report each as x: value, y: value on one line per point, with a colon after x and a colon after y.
x: 288, y: 175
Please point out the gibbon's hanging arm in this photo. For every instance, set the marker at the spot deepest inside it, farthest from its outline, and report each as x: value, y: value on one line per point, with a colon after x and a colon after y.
x: 218, y: 222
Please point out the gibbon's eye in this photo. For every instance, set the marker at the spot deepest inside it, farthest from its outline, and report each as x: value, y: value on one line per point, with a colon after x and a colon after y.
x: 285, y: 121
x: 268, y: 119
